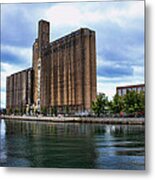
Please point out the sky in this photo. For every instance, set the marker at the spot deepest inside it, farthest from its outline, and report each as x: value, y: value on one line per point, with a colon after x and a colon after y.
x: 119, y: 28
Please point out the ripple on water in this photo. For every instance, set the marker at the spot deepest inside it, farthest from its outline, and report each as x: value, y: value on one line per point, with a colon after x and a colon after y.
x: 31, y: 144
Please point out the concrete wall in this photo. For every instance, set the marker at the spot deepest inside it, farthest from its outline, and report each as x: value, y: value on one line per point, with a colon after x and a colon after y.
x: 68, y: 72
x: 63, y: 73
x: 19, y: 90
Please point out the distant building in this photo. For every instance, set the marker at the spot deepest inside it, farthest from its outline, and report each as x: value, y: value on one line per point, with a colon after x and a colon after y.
x: 100, y: 93
x: 122, y: 90
x: 19, y: 90
x: 63, y: 73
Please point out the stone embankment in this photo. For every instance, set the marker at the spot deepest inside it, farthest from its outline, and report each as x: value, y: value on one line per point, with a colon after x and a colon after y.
x: 134, y: 121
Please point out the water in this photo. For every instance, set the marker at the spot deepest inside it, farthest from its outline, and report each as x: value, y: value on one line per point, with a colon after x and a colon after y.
x: 70, y: 145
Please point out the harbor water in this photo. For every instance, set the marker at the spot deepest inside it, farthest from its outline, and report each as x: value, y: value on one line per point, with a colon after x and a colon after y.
x: 71, y: 145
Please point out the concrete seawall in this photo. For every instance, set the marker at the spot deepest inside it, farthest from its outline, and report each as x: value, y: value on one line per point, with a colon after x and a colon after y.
x: 134, y: 121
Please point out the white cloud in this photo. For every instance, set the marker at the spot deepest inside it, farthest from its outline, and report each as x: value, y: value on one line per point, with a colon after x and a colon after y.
x: 70, y: 16
x: 3, y: 99
x: 63, y: 14
x: 103, y: 62
x: 121, y: 16
x: 108, y: 89
x: 25, y: 54
x: 138, y: 71
x: 108, y: 85
x: 76, y: 14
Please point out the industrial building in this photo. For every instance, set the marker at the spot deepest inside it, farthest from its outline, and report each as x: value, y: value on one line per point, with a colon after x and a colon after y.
x: 63, y: 74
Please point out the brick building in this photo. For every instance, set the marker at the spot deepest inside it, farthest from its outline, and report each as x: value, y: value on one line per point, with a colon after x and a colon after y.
x: 19, y: 90
x: 63, y: 71
x: 122, y: 90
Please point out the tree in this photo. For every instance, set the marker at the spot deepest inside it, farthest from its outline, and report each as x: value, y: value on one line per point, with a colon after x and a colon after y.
x: 100, y: 106
x: 23, y: 110
x: 117, y: 104
x: 66, y: 109
x: 51, y: 111
x: 134, y: 103
x: 16, y: 111
x: 44, y: 111
x: 55, y: 110
x: 10, y: 111
x: 142, y: 102
x: 110, y: 107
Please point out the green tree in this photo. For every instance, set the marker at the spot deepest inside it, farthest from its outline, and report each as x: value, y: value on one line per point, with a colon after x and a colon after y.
x: 117, y: 104
x: 51, y: 111
x: 16, y: 111
x: 110, y: 107
x: 44, y: 111
x: 55, y: 110
x: 100, y: 106
x: 134, y: 102
x: 4, y: 111
x: 10, y: 111
x: 66, y: 109
x: 142, y: 102
x: 23, y: 110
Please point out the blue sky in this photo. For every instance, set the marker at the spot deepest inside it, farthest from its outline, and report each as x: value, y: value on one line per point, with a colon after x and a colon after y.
x: 119, y: 30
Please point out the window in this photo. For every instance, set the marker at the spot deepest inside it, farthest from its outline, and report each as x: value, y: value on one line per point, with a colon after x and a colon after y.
x: 123, y: 91
x: 119, y: 92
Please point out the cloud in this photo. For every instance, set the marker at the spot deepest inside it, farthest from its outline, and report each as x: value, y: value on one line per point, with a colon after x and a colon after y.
x: 114, y: 71
x: 73, y: 14
x: 15, y: 25
x: 138, y: 71
x: 3, y: 99
x: 119, y: 30
x: 66, y: 17
x: 19, y: 22
x: 108, y: 84
x: 14, y: 54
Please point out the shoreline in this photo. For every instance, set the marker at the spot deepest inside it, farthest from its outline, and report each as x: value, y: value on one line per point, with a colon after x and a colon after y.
x: 102, y: 120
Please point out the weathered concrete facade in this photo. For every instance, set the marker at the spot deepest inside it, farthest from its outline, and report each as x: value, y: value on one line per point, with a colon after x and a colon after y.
x: 68, y: 71
x: 64, y: 71
x: 40, y: 43
x: 19, y: 90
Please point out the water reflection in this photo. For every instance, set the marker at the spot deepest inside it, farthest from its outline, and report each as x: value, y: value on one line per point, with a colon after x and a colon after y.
x: 72, y: 145
x: 2, y: 141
